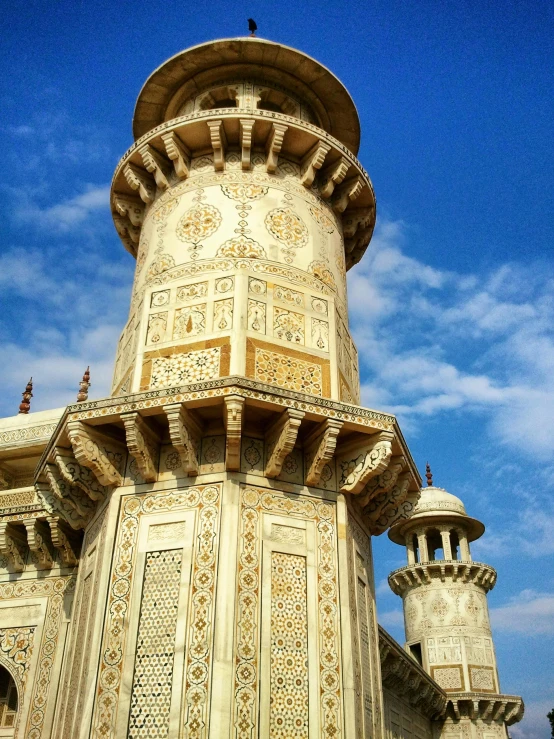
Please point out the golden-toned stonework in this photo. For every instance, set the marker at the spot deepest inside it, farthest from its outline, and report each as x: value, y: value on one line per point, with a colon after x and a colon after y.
x: 191, y: 557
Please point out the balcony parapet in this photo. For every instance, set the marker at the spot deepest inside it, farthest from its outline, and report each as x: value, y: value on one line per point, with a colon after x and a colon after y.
x: 487, y: 707
x: 423, y: 573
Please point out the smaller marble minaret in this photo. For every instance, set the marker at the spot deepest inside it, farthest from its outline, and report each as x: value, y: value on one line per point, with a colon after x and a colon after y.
x: 448, y: 632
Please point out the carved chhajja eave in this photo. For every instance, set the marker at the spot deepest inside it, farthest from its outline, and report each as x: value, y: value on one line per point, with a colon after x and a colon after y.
x: 401, y: 674
x: 104, y: 444
x: 488, y: 707
x: 424, y: 573
x: 161, y: 159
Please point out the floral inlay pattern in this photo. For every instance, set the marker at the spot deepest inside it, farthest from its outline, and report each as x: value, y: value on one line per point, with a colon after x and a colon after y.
x: 241, y: 246
x: 288, y: 228
x: 243, y: 191
x: 189, y: 321
x: 197, y: 224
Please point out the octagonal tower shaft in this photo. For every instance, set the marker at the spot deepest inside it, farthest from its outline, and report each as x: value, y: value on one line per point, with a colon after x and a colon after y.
x: 244, y: 205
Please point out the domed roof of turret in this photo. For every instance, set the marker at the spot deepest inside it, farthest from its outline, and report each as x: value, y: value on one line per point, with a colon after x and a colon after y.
x: 225, y: 59
x: 437, y: 506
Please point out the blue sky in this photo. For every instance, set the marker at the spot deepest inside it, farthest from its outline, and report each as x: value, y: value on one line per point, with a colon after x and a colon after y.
x: 453, y: 305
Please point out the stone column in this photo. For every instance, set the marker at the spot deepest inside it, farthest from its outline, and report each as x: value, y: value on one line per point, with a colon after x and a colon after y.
x: 410, y: 550
x: 447, y: 548
x: 422, y: 543
x: 464, y: 546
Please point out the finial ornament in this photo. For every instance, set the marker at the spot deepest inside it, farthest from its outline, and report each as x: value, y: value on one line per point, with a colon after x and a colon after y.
x: 252, y: 26
x: 428, y: 475
x: 84, y: 385
x: 25, y: 405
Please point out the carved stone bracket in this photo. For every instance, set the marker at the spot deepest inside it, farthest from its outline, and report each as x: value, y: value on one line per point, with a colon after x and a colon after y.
x: 219, y: 143
x: 381, y: 483
x: 346, y: 193
x: 333, y: 176
x: 320, y: 448
x: 184, y: 432
x: 139, y: 179
x: 6, y: 478
x: 143, y: 445
x: 280, y: 440
x: 178, y: 153
x: 312, y: 162
x: 234, y: 405
x: 371, y: 460
x: 130, y: 208
x: 61, y: 507
x: 273, y: 146
x: 13, y: 545
x: 246, y: 129
x: 75, y: 474
x: 385, y: 509
x: 157, y: 165
x: 72, y: 496
x: 65, y: 541
x: 38, y: 540
x: 100, y: 454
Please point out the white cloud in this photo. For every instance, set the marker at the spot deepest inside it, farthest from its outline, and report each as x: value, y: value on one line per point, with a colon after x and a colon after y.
x: 432, y: 341
x: 528, y: 613
x: 68, y: 214
x: 391, y: 619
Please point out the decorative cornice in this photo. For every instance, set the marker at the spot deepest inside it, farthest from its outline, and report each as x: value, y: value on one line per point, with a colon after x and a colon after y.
x: 487, y: 707
x: 401, y: 674
x: 373, y: 459
x: 423, y: 573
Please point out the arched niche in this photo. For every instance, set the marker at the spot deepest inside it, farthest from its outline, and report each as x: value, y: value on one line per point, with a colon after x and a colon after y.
x: 10, y: 690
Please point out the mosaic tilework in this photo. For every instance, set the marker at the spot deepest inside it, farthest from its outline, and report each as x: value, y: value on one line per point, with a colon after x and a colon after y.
x: 289, y: 648
x: 185, y: 368
x: 481, y: 678
x: 254, y: 503
x: 449, y: 678
x: 198, y: 650
x: 289, y: 372
x: 365, y: 647
x: 152, y: 680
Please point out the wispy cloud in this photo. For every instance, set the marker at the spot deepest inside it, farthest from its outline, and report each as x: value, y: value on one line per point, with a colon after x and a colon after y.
x: 434, y: 340
x: 69, y: 214
x: 529, y: 613
x: 535, y: 724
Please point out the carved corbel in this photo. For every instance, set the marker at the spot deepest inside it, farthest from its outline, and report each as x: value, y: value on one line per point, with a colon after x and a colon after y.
x: 72, y: 496
x: 60, y: 507
x: 100, y: 454
x: 65, y: 541
x: 125, y: 227
x: 273, y: 146
x: 246, y: 129
x: 38, y: 542
x: 184, y: 432
x: 6, y: 478
x: 13, y: 545
x: 75, y: 474
x: 156, y: 164
x: 384, y: 510
x: 130, y: 208
x: 346, y: 193
x: 219, y: 143
x: 382, y: 483
x: 320, y: 448
x: 333, y: 176
x: 280, y: 440
x: 178, y: 153
x: 312, y: 162
x: 355, y: 220
x: 143, y: 445
x: 234, y: 405
x: 139, y: 179
x: 373, y: 459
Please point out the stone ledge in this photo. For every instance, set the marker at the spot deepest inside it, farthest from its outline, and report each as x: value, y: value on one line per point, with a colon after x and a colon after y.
x: 424, y: 573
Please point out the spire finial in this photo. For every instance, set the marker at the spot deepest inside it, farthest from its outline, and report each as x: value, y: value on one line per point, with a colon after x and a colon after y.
x: 25, y: 405
x: 428, y: 475
x: 84, y: 385
x: 252, y: 27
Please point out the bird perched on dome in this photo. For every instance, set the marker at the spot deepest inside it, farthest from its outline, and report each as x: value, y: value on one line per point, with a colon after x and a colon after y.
x: 252, y: 27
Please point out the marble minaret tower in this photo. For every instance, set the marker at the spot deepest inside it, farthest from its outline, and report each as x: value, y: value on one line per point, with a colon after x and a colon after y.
x: 444, y: 595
